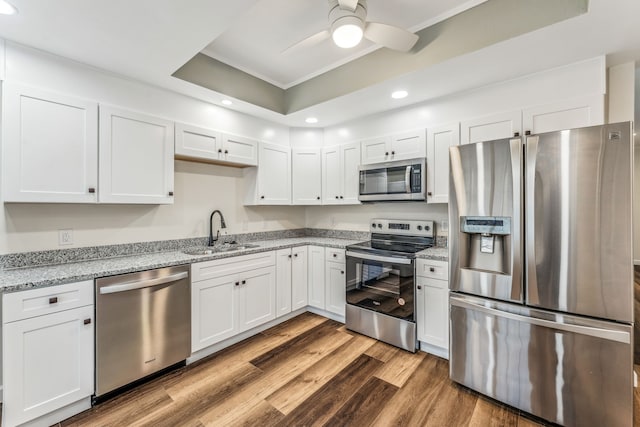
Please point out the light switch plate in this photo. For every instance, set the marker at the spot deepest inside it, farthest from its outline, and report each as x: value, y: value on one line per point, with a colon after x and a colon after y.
x: 65, y: 237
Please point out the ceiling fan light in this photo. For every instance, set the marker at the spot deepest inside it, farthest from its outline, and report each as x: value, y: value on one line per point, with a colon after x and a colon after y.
x: 347, y: 32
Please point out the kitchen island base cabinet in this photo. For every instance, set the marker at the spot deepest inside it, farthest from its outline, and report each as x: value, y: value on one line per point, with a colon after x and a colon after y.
x: 432, y: 306
x: 47, y: 354
x: 242, y: 297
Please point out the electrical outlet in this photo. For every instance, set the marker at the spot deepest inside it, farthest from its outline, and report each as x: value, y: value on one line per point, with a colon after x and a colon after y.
x: 65, y: 237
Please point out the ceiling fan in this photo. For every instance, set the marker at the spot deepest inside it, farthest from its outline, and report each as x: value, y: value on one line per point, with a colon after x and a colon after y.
x: 347, y: 26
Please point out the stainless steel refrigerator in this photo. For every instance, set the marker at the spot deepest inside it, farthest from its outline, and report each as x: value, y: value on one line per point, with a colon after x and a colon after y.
x: 541, y: 273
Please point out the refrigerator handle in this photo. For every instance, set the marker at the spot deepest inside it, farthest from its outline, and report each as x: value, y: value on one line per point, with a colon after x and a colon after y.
x: 608, y: 334
x: 531, y: 150
x: 516, y: 223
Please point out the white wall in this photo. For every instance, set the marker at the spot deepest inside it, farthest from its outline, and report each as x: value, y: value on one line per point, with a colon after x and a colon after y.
x: 636, y: 175
x: 621, y: 83
x: 199, y: 188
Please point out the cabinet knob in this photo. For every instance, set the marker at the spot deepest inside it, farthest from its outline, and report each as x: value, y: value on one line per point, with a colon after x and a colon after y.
x: 341, y: 197
x: 244, y: 282
x: 92, y: 190
x: 53, y: 300
x: 431, y: 269
x: 429, y: 193
x: 341, y: 271
x: 318, y: 198
x: 337, y: 197
x: 527, y: 132
x: 516, y: 134
x: 87, y: 321
x: 386, y: 153
x: 295, y: 255
x: 335, y: 255
x: 262, y: 197
x: 393, y: 153
x: 170, y: 193
x: 219, y: 150
x: 289, y: 256
x: 226, y: 151
x: 237, y: 283
x: 419, y: 287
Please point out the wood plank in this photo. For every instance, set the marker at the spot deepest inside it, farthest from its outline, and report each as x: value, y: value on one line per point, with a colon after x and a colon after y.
x: 401, y: 367
x: 296, y: 391
x: 365, y: 405
x: 488, y: 413
x: 383, y: 351
x: 325, y: 402
x: 455, y: 405
x: 263, y: 415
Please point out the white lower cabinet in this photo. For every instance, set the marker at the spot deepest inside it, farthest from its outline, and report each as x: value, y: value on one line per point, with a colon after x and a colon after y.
x: 335, y: 280
x: 291, y: 279
x: 299, y: 279
x: 432, y: 306
x: 48, y: 357
x: 316, y: 277
x: 240, y: 298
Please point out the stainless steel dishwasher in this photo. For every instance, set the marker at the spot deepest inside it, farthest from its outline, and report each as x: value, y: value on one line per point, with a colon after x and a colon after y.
x: 143, y: 325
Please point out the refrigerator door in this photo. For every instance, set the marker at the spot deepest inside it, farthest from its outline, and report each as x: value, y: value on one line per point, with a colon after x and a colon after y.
x: 570, y: 370
x: 485, y: 219
x: 579, y: 232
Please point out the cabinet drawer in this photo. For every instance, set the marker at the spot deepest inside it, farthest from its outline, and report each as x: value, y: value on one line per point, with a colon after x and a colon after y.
x: 432, y: 269
x: 334, y: 255
x: 52, y: 299
x: 222, y: 267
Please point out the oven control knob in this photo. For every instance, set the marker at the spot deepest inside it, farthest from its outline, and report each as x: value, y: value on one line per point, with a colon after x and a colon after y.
x: 379, y: 225
x: 419, y: 227
x: 373, y: 225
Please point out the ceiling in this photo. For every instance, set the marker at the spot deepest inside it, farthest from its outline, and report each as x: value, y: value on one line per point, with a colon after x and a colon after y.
x: 255, y: 42
x: 149, y: 40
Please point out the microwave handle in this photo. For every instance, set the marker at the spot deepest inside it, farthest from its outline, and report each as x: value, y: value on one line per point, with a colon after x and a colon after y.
x: 407, y: 179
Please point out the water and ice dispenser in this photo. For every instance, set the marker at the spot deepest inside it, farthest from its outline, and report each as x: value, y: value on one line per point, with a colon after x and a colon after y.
x: 485, y: 244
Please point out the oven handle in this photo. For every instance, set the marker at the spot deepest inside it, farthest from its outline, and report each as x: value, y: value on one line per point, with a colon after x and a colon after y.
x: 379, y: 258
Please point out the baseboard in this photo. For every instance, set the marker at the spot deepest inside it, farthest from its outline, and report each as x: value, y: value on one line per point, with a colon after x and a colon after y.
x: 325, y: 313
x: 60, y: 414
x: 435, y: 350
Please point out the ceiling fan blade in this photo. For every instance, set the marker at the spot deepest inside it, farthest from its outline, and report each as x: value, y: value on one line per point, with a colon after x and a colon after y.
x: 389, y: 36
x: 308, y: 42
x: 348, y: 4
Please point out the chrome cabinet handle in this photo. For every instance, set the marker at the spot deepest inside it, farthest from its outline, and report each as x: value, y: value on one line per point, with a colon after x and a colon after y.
x: 138, y: 284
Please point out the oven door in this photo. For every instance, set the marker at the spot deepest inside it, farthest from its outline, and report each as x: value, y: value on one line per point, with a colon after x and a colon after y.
x: 381, y: 283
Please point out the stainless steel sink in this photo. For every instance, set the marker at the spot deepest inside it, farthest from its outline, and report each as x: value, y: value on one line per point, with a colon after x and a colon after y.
x: 209, y: 250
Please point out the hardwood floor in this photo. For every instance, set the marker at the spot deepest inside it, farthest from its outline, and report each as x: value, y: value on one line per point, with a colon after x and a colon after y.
x: 308, y: 371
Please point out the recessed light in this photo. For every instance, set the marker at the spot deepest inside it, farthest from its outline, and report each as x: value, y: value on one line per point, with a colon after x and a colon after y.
x: 399, y: 94
x: 226, y: 102
x: 7, y: 8
x: 311, y: 120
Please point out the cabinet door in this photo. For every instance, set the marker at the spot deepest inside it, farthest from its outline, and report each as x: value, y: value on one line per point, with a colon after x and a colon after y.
x: 239, y: 150
x: 433, y: 311
x: 274, y: 175
x: 336, y: 287
x: 283, y: 281
x: 196, y: 142
x: 376, y: 150
x: 257, y: 297
x: 567, y: 114
x: 307, y: 176
x: 48, y: 363
x: 331, y: 174
x: 408, y: 145
x: 439, y: 139
x: 350, y: 161
x: 50, y: 147
x: 488, y: 128
x: 136, y: 158
x: 299, y: 280
x: 316, y: 277
x: 214, y: 311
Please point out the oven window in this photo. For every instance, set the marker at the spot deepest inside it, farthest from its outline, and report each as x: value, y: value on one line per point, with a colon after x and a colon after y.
x: 381, y: 286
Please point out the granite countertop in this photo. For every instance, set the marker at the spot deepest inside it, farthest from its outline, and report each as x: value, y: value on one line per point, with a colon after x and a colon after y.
x: 17, y: 279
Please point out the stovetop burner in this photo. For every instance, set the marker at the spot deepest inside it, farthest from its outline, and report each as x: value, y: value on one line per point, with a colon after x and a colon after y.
x: 400, y: 238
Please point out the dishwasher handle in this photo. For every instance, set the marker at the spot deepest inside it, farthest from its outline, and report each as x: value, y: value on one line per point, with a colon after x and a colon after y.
x: 138, y: 284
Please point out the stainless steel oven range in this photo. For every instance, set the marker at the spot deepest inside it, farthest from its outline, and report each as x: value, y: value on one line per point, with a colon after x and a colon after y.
x: 380, y: 281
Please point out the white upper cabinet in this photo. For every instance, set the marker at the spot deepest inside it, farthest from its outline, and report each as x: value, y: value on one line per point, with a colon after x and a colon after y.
x: 50, y: 147
x: 270, y: 182
x: 199, y: 143
x: 400, y: 146
x: 136, y: 157
x: 307, y: 176
x: 439, y: 139
x: 239, y: 150
x: 488, y: 128
x: 340, y: 174
x: 566, y: 114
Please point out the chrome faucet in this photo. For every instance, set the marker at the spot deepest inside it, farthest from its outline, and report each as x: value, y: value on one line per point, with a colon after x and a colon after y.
x: 212, y: 241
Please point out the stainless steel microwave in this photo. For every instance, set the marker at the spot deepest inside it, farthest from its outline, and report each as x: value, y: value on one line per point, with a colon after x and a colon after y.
x: 397, y: 180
